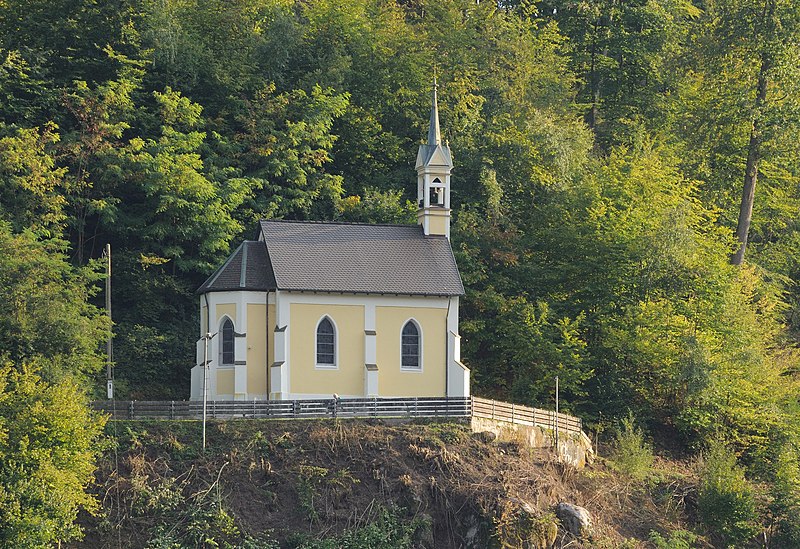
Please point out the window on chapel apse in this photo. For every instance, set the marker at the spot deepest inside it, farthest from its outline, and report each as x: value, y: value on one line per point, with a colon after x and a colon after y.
x: 228, y: 345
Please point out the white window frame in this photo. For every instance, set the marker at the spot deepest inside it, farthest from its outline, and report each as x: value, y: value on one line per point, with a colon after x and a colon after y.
x: 416, y: 323
x: 335, y: 365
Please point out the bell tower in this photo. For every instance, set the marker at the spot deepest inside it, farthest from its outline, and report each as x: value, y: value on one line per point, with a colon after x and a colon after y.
x: 434, y: 164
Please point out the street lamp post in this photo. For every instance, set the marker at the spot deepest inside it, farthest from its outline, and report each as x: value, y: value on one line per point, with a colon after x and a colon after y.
x: 206, y: 339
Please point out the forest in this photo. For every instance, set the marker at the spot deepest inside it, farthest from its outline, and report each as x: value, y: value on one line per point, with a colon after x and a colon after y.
x: 626, y: 205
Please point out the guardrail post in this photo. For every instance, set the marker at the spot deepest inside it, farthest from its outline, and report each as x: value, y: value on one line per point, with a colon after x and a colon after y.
x: 295, y: 408
x: 416, y: 409
x: 130, y: 409
x: 492, y: 408
x: 512, y: 413
x: 172, y: 409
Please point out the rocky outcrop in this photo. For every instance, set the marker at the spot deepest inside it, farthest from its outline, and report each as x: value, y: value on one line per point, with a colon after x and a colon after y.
x: 486, y: 437
x: 575, y: 519
x: 520, y: 525
x: 573, y: 449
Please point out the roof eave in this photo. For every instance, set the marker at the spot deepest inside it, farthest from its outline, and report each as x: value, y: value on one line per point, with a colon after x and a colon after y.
x: 202, y: 291
x: 365, y: 292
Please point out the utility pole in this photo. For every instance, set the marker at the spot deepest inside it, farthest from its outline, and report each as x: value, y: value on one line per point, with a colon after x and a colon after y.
x: 109, y: 374
x: 206, y: 339
x: 556, y: 414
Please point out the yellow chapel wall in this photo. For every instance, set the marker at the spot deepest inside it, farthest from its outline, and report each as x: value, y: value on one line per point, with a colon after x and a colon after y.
x: 223, y: 309
x: 225, y: 385
x: 430, y: 381
x: 345, y: 380
x: 225, y: 382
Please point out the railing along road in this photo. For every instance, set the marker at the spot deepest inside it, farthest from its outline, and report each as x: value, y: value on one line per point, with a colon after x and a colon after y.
x: 428, y: 407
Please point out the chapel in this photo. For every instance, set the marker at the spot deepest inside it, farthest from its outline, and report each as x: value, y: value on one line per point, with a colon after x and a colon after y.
x: 316, y: 309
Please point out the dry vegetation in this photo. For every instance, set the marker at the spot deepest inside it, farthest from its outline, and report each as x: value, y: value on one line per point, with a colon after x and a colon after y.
x: 296, y: 481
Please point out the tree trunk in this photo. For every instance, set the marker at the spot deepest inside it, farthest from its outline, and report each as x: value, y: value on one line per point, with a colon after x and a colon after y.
x: 751, y: 170
x: 595, y: 85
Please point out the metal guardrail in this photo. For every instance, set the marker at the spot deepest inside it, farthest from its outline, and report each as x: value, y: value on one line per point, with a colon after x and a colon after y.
x: 423, y: 407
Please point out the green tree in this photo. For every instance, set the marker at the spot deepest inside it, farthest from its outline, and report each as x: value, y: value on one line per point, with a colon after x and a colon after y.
x: 736, y: 117
x: 31, y: 186
x: 48, y: 444
x: 285, y: 143
x: 624, y: 54
x: 377, y: 206
x: 45, y: 312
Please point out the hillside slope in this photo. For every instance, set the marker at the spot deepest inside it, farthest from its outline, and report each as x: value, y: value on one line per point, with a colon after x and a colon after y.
x: 356, y: 484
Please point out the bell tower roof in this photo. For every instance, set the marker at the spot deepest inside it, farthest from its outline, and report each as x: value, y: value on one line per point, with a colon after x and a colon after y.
x: 434, y: 135
x: 433, y: 153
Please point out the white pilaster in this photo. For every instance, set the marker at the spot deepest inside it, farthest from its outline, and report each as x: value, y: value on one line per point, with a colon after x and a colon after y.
x: 279, y: 370
x: 371, y: 380
x: 457, y: 374
x: 370, y: 352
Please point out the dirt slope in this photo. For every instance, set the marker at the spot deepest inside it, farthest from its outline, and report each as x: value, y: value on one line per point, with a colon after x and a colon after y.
x: 291, y: 482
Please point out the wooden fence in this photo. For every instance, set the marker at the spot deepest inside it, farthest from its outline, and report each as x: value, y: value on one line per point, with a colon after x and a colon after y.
x: 290, y: 409
x: 432, y: 407
x: 523, y: 415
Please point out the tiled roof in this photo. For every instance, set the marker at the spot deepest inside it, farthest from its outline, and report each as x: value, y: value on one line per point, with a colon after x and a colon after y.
x: 360, y: 258
x: 247, y: 268
x: 344, y: 257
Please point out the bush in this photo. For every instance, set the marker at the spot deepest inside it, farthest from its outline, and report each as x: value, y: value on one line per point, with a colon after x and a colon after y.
x: 786, y: 500
x: 388, y: 531
x: 631, y: 453
x: 726, y: 500
x: 678, y: 539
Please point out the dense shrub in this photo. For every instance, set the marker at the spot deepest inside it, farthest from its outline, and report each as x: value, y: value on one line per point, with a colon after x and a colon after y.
x: 726, y: 500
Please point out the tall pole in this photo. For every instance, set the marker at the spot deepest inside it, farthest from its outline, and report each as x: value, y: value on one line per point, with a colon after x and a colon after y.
x: 556, y: 414
x: 206, y: 339
x: 109, y: 376
x: 205, y: 384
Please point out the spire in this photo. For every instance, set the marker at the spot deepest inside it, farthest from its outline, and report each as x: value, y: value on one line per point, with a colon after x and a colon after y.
x: 433, y: 166
x: 434, y: 136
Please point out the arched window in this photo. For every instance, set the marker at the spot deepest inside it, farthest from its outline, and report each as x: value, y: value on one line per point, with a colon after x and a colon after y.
x: 436, y: 193
x: 410, y: 346
x: 227, y: 353
x: 326, y: 343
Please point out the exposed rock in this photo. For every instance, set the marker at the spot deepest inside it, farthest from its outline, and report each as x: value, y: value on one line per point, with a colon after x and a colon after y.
x: 472, y: 537
x: 522, y: 526
x: 486, y: 436
x: 576, y: 519
x: 423, y: 536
